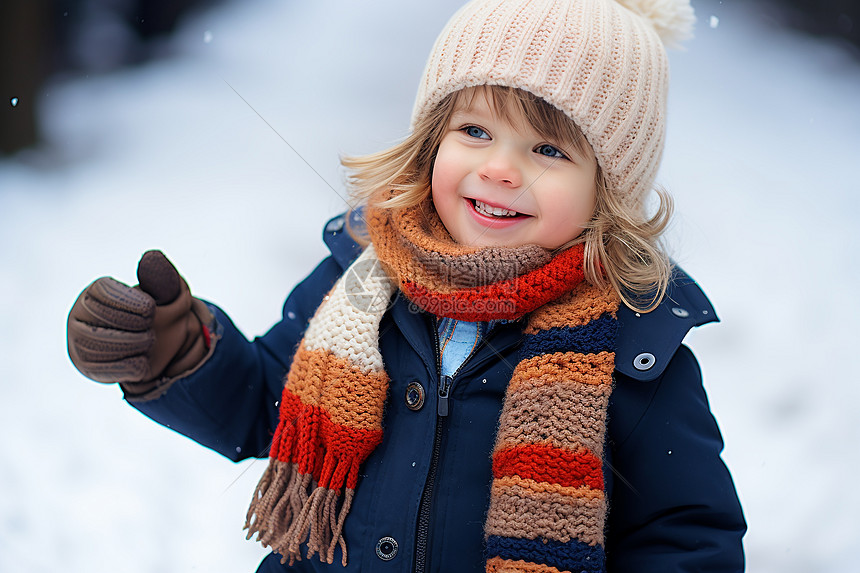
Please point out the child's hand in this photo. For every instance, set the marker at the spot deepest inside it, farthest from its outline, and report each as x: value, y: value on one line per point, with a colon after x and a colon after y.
x: 134, y: 335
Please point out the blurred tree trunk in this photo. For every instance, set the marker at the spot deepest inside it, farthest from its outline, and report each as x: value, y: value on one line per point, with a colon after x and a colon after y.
x: 25, y: 40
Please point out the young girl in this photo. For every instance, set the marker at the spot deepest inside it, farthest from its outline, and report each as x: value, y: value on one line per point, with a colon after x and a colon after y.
x: 487, y: 372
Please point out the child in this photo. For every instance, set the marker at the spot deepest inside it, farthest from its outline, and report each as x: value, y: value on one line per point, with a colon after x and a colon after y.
x: 487, y: 372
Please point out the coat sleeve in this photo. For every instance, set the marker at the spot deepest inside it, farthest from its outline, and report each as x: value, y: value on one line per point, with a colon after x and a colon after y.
x: 229, y: 403
x: 673, y: 506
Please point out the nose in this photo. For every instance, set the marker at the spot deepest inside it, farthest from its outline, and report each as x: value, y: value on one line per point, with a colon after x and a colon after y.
x: 501, y: 168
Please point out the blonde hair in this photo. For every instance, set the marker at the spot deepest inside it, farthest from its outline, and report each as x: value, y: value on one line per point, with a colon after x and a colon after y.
x: 622, y: 244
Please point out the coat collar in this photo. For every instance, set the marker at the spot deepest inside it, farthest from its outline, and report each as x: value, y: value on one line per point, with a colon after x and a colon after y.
x: 647, y: 341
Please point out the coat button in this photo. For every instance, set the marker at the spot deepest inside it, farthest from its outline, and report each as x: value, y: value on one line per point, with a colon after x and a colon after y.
x: 414, y: 396
x: 644, y: 361
x: 386, y: 549
x: 680, y: 312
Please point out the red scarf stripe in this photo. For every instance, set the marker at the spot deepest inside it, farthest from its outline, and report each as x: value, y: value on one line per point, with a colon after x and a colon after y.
x: 346, y: 447
x: 506, y: 299
x: 549, y: 464
x: 338, y: 444
x: 304, y: 448
x: 289, y: 409
x: 287, y: 445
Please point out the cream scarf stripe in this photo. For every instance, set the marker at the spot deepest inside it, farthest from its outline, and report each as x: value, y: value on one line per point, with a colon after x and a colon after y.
x: 347, y: 327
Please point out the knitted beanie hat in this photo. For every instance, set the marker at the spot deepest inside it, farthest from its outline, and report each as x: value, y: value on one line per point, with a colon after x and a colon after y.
x: 601, y: 62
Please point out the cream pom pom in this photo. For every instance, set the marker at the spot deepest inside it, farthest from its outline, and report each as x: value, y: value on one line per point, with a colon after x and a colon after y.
x: 672, y: 19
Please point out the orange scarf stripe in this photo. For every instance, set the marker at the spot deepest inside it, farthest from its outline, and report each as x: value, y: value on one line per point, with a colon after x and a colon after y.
x: 582, y: 304
x: 351, y: 397
x: 500, y: 565
x: 545, y: 369
x: 541, y: 487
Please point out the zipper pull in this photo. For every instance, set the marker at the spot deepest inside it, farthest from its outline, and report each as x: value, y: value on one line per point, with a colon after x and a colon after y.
x: 444, y: 388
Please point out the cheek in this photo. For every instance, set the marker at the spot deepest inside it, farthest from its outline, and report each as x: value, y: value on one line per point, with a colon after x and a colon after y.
x: 443, y: 183
x: 585, y: 200
x: 570, y: 211
x: 574, y: 201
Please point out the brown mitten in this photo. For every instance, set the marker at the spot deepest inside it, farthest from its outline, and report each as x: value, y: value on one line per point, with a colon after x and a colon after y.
x: 137, y: 335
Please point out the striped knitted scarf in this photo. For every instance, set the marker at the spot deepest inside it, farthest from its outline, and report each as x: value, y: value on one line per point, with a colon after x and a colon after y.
x: 547, y: 505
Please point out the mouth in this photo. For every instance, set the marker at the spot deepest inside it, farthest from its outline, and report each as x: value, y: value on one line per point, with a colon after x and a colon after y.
x: 494, y: 212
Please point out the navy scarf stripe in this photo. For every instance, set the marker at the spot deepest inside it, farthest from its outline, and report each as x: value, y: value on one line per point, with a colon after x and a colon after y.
x: 572, y: 556
x: 596, y: 336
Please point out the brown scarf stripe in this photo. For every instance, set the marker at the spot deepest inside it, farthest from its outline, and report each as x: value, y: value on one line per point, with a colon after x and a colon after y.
x: 475, y: 269
x: 568, y: 414
x: 528, y: 514
x: 425, y: 253
x: 503, y: 300
x: 421, y: 226
x: 448, y: 275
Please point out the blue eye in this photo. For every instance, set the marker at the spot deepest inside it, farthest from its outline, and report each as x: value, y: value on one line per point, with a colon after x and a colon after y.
x: 548, y: 150
x: 477, y: 132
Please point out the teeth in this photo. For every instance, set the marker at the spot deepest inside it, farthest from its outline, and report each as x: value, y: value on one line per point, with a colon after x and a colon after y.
x: 485, y: 209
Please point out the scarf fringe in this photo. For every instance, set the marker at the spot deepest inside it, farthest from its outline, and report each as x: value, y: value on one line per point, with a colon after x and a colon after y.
x: 290, y: 508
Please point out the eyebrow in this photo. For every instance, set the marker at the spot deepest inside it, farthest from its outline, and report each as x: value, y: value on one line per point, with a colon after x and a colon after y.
x: 461, y: 111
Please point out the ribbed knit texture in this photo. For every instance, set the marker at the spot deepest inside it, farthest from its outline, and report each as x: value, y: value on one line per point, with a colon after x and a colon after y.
x: 602, y: 63
x: 547, y: 506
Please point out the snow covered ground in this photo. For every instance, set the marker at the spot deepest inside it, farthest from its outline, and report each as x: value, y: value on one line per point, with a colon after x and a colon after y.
x: 764, y: 134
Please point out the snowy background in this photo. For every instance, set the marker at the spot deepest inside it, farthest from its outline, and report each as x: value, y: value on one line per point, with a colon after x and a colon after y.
x: 764, y: 139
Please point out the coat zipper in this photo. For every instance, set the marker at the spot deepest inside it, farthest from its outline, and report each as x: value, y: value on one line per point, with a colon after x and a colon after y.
x: 423, y: 531
x: 446, y: 383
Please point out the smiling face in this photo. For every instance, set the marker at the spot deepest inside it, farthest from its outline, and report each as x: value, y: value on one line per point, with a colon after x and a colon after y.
x: 499, y: 182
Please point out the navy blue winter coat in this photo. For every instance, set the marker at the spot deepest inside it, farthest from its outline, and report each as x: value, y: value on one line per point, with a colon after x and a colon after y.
x: 424, y: 492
